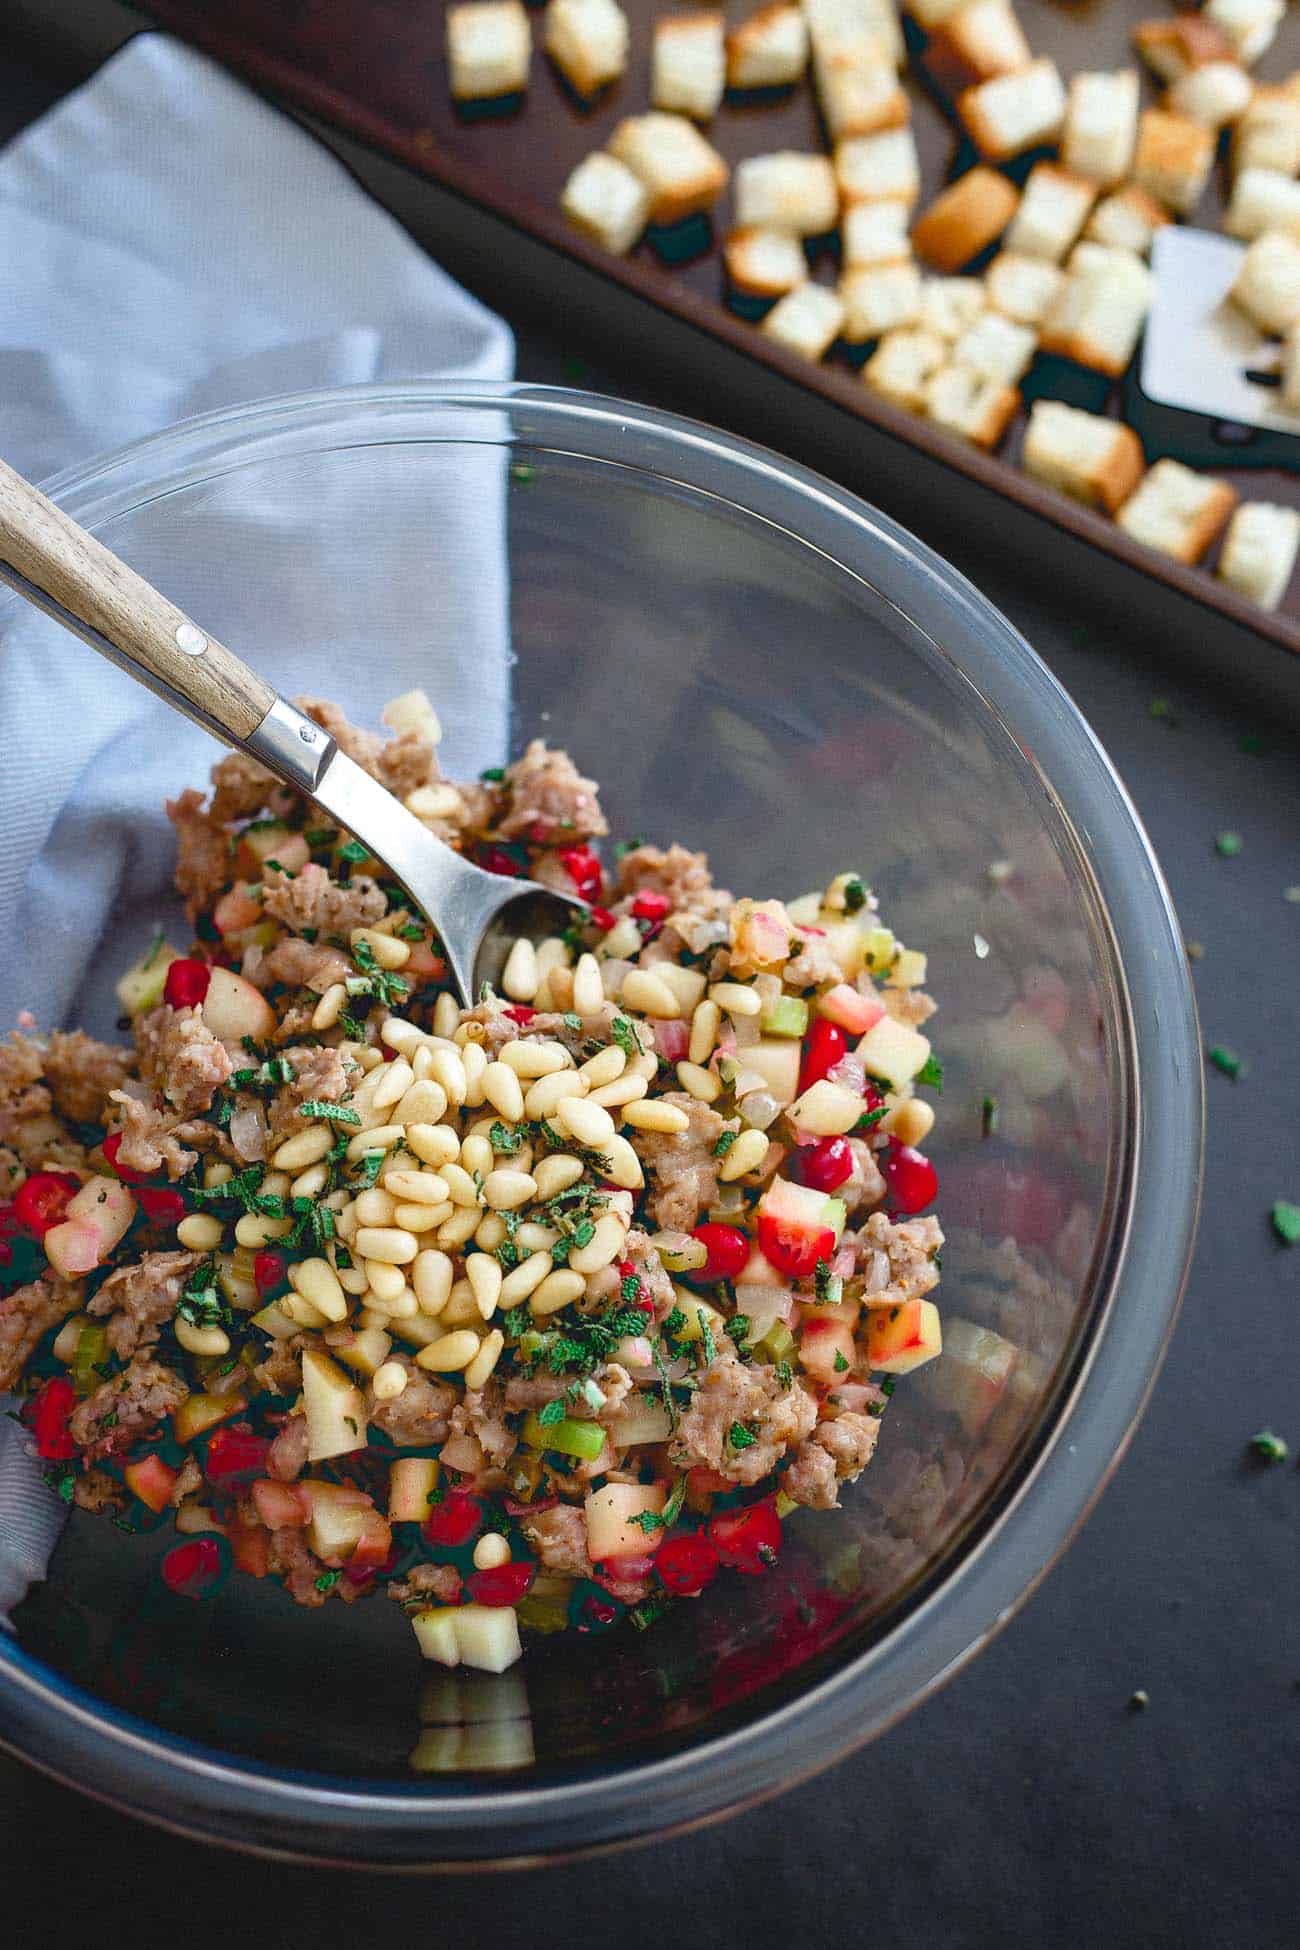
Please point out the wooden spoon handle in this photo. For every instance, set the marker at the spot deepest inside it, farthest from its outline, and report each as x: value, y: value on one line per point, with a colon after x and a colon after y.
x: 65, y: 571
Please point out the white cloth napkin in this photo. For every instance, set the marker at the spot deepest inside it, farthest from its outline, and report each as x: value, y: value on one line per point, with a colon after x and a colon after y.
x: 169, y: 244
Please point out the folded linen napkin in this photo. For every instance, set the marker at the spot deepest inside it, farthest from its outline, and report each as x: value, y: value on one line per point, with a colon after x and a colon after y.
x: 170, y: 244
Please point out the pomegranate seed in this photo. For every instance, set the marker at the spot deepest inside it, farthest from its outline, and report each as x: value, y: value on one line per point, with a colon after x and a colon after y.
x: 584, y: 870
x: 825, y: 1047
x: 268, y: 1272
x: 650, y: 906
x: 748, y: 1539
x: 728, y: 1252
x: 687, y: 1563
x: 824, y: 1165
x: 454, y: 1521
x: 48, y: 1415
x: 193, y: 1570
x: 187, y: 983
x: 41, y: 1201
x: 521, y: 1014
x: 160, y: 1206
x: 504, y: 1584
x: 913, y: 1181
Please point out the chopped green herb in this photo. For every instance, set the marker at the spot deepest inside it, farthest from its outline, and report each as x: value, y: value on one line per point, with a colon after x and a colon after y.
x: 828, y: 1286
x: 931, y: 1074
x: 1226, y: 1060
x: 739, y: 1437
x: 1268, y: 1447
x: 675, y: 1322
x: 353, y: 1028
x: 62, y: 1481
x: 870, y: 1118
x: 583, y: 1234
x: 572, y: 1022
x: 673, y: 1507
x: 327, y: 1580
x: 492, y: 774
x: 988, y: 1117
x: 372, y: 1163
x: 551, y: 1413
x: 504, y: 1140
x: 517, y: 1321
x: 321, y: 835
x: 625, y: 1036
x: 521, y: 472
x: 1228, y: 844
x: 1161, y: 708
x: 1286, y: 1221
x: 841, y: 1365
x: 738, y: 1327
x: 706, y: 1338
x: 650, y: 1610
x: 855, y: 895
x: 724, y: 1143
x: 648, y: 1521
x: 785, y: 1374
x: 336, y: 1113
x: 629, y: 1291
x: 354, y: 851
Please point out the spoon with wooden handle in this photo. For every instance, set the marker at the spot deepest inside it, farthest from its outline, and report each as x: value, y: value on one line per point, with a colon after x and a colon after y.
x: 64, y: 571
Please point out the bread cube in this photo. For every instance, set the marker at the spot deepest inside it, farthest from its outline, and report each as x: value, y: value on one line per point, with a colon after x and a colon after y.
x: 787, y: 191
x: 1022, y: 288
x: 1267, y: 287
x: 1289, y: 370
x: 587, y: 40
x: 606, y: 201
x: 1249, y: 24
x: 857, y: 86
x: 1268, y: 134
x: 847, y: 19
x: 1090, y: 458
x: 681, y: 171
x: 489, y: 47
x: 876, y: 233
x: 902, y: 365
x: 1053, y: 210
x: 764, y: 263
x: 688, y: 64
x: 1213, y: 95
x: 1098, y: 315
x: 967, y: 403
x: 1172, y: 48
x: 1173, y: 159
x: 1262, y: 199
x: 878, y: 299
x: 807, y: 319
x: 871, y: 168
x: 1101, y: 114
x: 1014, y: 112
x: 949, y: 306
x: 996, y: 348
x: 1127, y: 221
x: 965, y: 218
x: 1177, y: 511
x: 982, y: 39
x: 1259, y: 551
x: 768, y: 50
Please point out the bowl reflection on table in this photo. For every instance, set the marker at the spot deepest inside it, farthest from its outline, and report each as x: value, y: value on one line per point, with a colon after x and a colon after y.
x: 756, y: 664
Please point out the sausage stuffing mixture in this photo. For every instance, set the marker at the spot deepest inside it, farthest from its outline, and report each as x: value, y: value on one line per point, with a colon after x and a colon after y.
x: 527, y: 1314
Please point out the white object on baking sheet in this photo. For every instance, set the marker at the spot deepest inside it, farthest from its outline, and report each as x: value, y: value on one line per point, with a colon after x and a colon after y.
x: 1198, y: 347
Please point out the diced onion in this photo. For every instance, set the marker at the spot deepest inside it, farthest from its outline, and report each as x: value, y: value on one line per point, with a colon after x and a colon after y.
x: 759, y: 1108
x: 248, y: 1132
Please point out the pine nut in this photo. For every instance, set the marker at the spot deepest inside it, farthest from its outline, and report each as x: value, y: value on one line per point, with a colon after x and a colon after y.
x: 556, y: 1173
x: 201, y: 1340
x: 645, y: 992
x: 490, y: 1232
x: 525, y: 1279
x: 461, y: 1189
x: 746, y: 1154
x: 558, y: 1289
x: 303, y: 1148
x: 384, y: 1280
x: 318, y: 1283
x: 603, y: 1067
x: 373, y: 1208
x: 698, y: 1083
x: 393, y: 1086
x: 591, y: 1124
x: 364, y: 1055
x: 476, y: 1154
x: 536, y: 1238
x: 421, y: 1218
x: 434, y: 1144
x: 253, y: 1230
x: 475, y: 1060
x: 382, y: 1138
x: 461, y: 1226
x: 547, y: 1093
x: 352, y: 1279
x: 736, y: 999
x: 484, y: 1275
x: 656, y: 1116
x: 310, y: 1183
x: 330, y: 1007
x: 588, y: 989
x: 560, y: 985
x: 448, y: 1069
x: 504, y: 1092
x: 519, y: 977
x: 535, y: 1059
x: 491, y: 1549
x: 627, y: 1089
x: 622, y: 942
x: 214, y: 1175
x: 346, y: 1223
x: 446, y: 1015
x: 300, y: 1311
x: 551, y: 954
x: 275, y: 1184
x: 450, y: 1353
x: 387, y: 951
x: 416, y: 1187
x: 605, y: 1244
x: 424, y: 1103
x: 388, y: 1382
x: 506, y: 1190
x: 461, y: 1309
x: 401, y: 1035
x: 200, y: 1232
x: 687, y: 984
x: 480, y: 1368
x: 705, y: 1024
x: 402, y: 1306
x: 420, y: 1064
x: 624, y: 1165
x: 387, y: 1244
x: 431, y: 1276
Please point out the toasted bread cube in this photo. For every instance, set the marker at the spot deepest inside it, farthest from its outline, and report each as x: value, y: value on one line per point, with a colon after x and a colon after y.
x: 1173, y: 159
x: 807, y: 319
x: 1172, y: 48
x: 878, y: 299
x: 1249, y: 24
x: 950, y: 306
x: 1289, y: 370
x: 1177, y: 511
x: 1101, y: 116
x: 1022, y: 288
x: 1267, y: 287
x: 768, y: 50
x: 1099, y: 313
x: 688, y: 65
x: 982, y: 39
x: 873, y: 168
x: 969, y: 404
x: 1088, y: 457
x: 996, y: 348
x: 787, y: 191
x: 1014, y: 112
x: 1259, y: 551
x: 1053, y: 210
x: 1127, y: 221
x: 857, y: 86
x: 489, y: 47
x: 876, y: 233
x: 1268, y: 134
x: 965, y: 218
x: 606, y: 201
x: 1262, y: 199
x: 682, y: 172
x: 847, y: 19
x: 587, y: 40
x: 1213, y: 95
x: 764, y: 263
x: 902, y: 364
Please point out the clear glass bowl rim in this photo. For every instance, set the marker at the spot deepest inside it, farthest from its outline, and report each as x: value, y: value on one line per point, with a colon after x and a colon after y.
x: 194, y: 1790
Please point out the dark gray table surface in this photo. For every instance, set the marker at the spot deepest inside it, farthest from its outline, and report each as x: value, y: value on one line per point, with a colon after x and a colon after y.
x: 1025, y: 1803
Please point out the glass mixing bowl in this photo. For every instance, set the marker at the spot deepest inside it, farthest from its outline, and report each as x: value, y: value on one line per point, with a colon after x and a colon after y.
x: 758, y: 664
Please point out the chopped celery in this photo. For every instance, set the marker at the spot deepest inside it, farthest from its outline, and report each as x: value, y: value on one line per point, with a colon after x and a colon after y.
x: 565, y: 1438
x: 92, y: 1351
x: 784, y: 1504
x: 787, y: 1016
x: 544, y: 1607
x: 879, y: 945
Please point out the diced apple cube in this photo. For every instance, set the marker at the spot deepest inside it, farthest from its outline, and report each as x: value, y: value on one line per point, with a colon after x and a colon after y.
x: 487, y: 1637
x: 908, y: 971
x: 850, y: 1009
x: 272, y: 1320
x: 640, y: 1418
x: 903, y: 1337
x: 367, y: 1351
x: 826, y: 1109
x: 141, y: 988
x: 893, y: 1051
x: 823, y: 1343
x: 199, y: 1412
x: 341, y: 1516
x: 612, y: 1529
x: 233, y: 1009
x: 777, y: 1062
x: 336, y: 1411
x: 699, y: 1315
x: 97, y: 1218
x: 411, y: 1482
x: 435, y: 1631
x: 976, y: 1367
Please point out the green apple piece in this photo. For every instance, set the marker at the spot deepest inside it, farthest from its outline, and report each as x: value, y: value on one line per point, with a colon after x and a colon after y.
x: 487, y: 1637
x: 893, y: 1051
x: 141, y: 987
x: 777, y: 1062
x: 878, y: 946
x: 336, y: 1412
x: 787, y: 1016
x: 367, y: 1351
